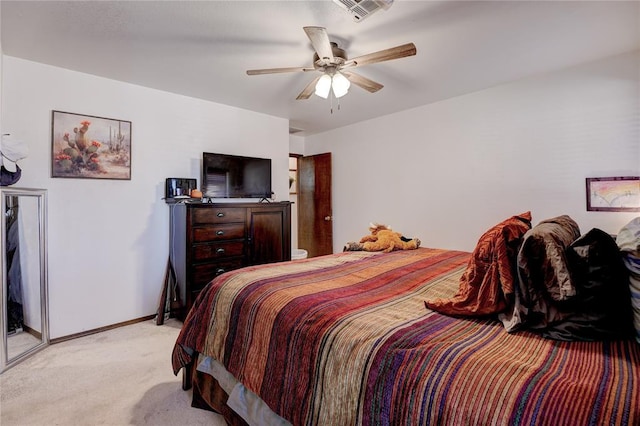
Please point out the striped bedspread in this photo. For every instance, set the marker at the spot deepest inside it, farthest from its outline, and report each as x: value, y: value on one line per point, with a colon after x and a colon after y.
x: 346, y: 339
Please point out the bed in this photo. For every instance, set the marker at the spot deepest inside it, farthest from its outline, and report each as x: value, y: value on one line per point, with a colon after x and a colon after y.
x: 347, y: 339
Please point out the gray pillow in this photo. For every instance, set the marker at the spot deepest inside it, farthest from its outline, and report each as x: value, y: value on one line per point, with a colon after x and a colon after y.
x: 542, y: 262
x: 544, y: 276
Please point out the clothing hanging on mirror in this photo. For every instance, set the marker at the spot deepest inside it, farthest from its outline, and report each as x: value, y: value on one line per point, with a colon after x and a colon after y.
x: 15, y: 315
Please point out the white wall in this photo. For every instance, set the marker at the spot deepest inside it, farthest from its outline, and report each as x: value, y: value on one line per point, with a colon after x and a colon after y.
x: 446, y: 172
x: 108, y: 239
x: 296, y: 144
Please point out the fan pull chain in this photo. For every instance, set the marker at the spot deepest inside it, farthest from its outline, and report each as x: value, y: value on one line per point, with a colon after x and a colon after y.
x: 331, y: 100
x: 331, y: 95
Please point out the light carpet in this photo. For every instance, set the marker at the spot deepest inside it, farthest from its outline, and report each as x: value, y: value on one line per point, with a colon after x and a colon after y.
x: 118, y: 377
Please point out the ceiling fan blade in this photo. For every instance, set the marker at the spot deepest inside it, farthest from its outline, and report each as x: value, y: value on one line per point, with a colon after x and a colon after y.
x: 397, y: 52
x: 278, y: 70
x: 364, y: 82
x: 309, y: 89
x: 320, y: 42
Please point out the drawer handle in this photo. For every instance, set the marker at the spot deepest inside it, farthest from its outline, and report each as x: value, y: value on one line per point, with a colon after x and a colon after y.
x: 220, y: 251
x: 219, y: 232
x: 220, y: 214
x: 219, y: 271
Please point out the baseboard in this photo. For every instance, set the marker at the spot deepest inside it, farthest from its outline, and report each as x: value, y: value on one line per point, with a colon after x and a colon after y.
x: 100, y: 330
x: 32, y: 332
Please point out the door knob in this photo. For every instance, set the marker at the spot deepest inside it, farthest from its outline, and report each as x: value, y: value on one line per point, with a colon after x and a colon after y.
x: 327, y: 218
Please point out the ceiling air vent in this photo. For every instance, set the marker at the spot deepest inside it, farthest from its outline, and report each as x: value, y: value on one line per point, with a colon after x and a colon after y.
x: 361, y: 9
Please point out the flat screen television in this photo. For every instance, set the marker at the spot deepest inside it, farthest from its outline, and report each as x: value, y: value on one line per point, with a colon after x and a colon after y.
x: 234, y: 176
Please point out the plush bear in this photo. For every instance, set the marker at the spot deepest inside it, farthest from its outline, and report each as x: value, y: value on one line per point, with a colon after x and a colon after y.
x: 382, y: 238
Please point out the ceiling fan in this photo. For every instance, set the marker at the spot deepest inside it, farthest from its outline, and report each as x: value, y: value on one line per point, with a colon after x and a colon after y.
x: 335, y: 68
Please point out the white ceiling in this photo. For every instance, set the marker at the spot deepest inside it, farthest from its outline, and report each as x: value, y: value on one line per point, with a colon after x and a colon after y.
x: 203, y: 48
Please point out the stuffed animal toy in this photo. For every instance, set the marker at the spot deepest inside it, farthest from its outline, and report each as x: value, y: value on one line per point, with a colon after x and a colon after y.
x: 382, y: 238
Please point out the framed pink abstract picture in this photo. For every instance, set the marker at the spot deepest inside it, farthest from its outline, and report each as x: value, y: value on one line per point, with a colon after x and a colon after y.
x: 613, y: 194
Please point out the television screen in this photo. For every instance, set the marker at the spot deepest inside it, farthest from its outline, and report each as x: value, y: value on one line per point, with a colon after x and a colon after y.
x: 233, y: 176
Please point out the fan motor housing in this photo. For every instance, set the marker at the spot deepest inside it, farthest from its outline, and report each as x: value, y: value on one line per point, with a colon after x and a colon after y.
x: 339, y: 57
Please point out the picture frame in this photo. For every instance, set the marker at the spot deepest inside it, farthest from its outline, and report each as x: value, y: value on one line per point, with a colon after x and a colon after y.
x: 90, y: 147
x: 613, y: 194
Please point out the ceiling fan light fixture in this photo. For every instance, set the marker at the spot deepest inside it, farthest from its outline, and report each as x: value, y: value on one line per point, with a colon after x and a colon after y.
x: 323, y: 86
x: 340, y: 85
x: 329, y: 60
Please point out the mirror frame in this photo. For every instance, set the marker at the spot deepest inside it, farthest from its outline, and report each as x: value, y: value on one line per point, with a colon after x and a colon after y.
x: 41, y: 196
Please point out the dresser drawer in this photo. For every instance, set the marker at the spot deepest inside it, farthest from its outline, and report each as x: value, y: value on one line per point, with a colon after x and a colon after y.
x: 224, y: 231
x: 202, y: 274
x: 211, y: 251
x: 218, y: 215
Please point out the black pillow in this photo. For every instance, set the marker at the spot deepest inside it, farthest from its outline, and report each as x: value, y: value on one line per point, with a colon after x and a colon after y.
x: 601, y: 309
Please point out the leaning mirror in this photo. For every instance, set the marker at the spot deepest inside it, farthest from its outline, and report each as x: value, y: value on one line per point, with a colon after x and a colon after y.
x: 24, y: 320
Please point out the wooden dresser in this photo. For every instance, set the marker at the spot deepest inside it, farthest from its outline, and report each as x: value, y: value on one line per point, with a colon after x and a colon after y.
x: 208, y: 239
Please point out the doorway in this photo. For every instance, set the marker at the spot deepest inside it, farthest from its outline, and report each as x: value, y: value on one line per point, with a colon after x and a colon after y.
x: 315, y: 213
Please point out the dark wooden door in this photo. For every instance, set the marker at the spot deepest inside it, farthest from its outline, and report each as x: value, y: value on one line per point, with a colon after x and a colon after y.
x: 315, y: 220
